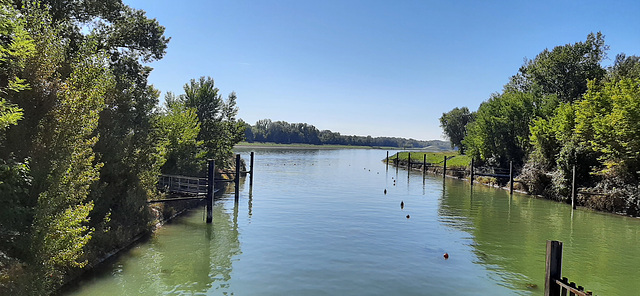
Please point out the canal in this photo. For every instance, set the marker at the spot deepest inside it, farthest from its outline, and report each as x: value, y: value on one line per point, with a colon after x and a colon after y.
x: 317, y: 222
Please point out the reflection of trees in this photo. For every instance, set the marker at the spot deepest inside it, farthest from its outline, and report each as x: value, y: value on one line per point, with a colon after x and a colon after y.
x: 508, y: 235
x: 503, y: 238
x: 188, y: 257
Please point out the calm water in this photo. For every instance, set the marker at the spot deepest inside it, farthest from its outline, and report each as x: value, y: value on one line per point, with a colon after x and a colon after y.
x: 318, y: 223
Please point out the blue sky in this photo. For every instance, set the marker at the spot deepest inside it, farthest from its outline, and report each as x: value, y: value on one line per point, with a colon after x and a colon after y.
x: 379, y: 68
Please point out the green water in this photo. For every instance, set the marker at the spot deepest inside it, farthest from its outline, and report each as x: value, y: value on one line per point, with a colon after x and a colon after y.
x: 317, y: 222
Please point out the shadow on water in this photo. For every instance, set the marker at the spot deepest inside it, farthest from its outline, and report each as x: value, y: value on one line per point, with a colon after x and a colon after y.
x: 198, y: 260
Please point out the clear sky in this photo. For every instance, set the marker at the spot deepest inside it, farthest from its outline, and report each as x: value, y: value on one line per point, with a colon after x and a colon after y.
x: 379, y: 68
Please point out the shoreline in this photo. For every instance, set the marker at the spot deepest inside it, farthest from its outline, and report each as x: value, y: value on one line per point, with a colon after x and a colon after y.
x: 245, y: 145
x: 465, y: 177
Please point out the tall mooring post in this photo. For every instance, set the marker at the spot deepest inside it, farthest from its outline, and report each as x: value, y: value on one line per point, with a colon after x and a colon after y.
x: 251, y: 171
x: 444, y: 168
x: 237, y: 179
x: 408, y: 161
x: 573, y: 188
x: 553, y: 268
x: 471, y: 173
x: 424, y: 163
x: 210, y: 189
x: 387, y: 159
x: 511, y: 177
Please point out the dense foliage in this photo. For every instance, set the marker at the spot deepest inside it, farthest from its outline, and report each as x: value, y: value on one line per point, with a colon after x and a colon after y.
x: 454, y: 125
x: 563, y: 109
x: 82, y: 138
x: 283, y: 132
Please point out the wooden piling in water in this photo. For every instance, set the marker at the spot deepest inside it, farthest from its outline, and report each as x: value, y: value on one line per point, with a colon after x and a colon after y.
x: 471, y: 173
x: 251, y: 170
x: 387, y: 159
x: 424, y: 163
x: 444, y: 168
x: 210, y: 189
x: 553, y: 268
x: 237, y: 179
x: 511, y: 177
x: 409, y: 161
x: 573, y: 188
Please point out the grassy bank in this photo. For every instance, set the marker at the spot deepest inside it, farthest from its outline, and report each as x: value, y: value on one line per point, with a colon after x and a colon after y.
x: 434, y: 158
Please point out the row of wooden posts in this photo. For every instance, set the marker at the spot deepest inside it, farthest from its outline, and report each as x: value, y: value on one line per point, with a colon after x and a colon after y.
x: 555, y: 284
x: 193, y: 185
x: 473, y: 173
x: 236, y: 180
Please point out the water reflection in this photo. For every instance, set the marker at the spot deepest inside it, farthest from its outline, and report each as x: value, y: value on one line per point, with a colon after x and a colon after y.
x: 508, y: 236
x: 197, y: 261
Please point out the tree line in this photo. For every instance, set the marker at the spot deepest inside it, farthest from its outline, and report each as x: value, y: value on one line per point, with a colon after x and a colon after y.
x: 563, y: 109
x: 283, y: 132
x: 83, y: 137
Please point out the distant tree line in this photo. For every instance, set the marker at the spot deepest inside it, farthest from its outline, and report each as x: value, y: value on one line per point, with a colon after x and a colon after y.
x: 559, y: 110
x: 83, y: 138
x: 283, y: 132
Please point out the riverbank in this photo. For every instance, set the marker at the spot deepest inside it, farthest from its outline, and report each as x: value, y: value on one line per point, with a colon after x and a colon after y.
x: 323, y: 147
x: 458, y: 167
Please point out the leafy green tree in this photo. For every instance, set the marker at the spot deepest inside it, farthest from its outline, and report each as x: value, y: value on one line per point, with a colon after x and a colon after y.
x: 179, y: 126
x: 608, y: 121
x: 500, y: 131
x: 565, y: 70
x: 454, y: 125
x: 219, y: 129
x: 15, y: 46
x: 57, y: 136
x: 85, y: 155
x: 625, y: 67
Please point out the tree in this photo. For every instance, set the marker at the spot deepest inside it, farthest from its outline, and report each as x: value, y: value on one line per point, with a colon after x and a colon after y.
x: 51, y: 150
x: 625, y: 67
x: 179, y: 127
x: 500, y: 131
x: 565, y: 70
x: 454, y: 125
x: 219, y: 130
x: 608, y: 121
x: 84, y: 156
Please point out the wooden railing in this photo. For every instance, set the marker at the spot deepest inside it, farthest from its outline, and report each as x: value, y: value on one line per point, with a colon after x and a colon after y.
x: 555, y: 284
x: 183, y: 184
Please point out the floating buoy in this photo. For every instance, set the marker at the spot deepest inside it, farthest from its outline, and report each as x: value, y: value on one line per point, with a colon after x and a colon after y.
x: 402, y: 205
x: 385, y: 191
x: 408, y: 216
x: 446, y: 256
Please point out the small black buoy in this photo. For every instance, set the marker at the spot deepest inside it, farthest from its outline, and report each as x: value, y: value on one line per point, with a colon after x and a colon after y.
x: 408, y: 216
x: 402, y: 204
x: 385, y: 191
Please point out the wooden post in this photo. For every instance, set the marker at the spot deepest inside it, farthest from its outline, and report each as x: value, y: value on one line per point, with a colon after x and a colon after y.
x: 573, y: 188
x: 553, y: 268
x: 397, y: 153
x: 251, y: 171
x: 409, y: 161
x: 471, y: 173
x: 444, y: 170
x: 387, y: 159
x: 511, y: 177
x: 237, y: 179
x: 210, y: 189
x: 424, y: 163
